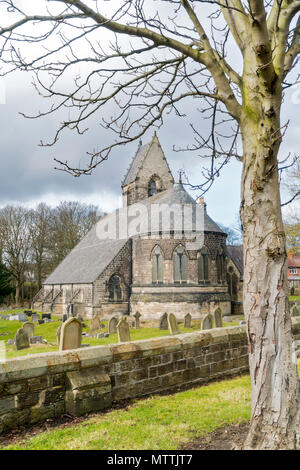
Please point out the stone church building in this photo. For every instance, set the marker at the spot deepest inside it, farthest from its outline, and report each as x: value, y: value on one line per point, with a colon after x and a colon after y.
x: 150, y: 274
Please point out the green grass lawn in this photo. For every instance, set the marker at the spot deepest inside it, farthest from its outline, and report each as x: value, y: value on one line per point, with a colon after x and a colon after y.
x: 158, y: 422
x: 48, y: 332
x: 294, y: 297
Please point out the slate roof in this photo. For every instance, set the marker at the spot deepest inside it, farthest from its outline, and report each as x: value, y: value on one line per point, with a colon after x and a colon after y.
x: 86, y: 261
x: 136, y: 164
x: 235, y: 252
x: 178, y: 195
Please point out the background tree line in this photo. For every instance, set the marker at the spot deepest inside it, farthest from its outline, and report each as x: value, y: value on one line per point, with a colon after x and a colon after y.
x: 34, y: 241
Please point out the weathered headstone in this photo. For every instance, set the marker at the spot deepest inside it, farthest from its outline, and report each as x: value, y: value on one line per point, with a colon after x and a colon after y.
x: 137, y: 316
x: 173, y: 325
x: 163, y: 322
x: 22, y: 317
x: 100, y: 335
x: 46, y: 315
x: 188, y: 320
x: 70, y: 336
x: 58, y: 335
x: 35, y: 317
x: 21, y: 339
x: 95, y: 324
x: 112, y: 325
x: 65, y: 317
x: 10, y: 342
x: 28, y: 328
x: 35, y: 339
x: 207, y: 322
x: 13, y: 318
x: 123, y: 331
x: 294, y: 311
x: 218, y: 318
x: 41, y: 322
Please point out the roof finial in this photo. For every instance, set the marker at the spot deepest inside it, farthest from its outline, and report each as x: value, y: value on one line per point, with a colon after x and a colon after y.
x: 180, y: 172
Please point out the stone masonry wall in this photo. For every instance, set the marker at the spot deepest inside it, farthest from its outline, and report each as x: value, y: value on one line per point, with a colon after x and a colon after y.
x: 78, y: 381
x: 44, y: 386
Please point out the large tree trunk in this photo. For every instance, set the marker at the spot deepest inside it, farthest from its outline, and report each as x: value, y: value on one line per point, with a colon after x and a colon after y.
x: 274, y: 379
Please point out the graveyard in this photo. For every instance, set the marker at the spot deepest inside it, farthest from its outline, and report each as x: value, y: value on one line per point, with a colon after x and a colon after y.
x: 47, y: 333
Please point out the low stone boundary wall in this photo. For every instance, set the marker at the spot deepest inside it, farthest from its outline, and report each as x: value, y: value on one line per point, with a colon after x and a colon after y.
x: 37, y: 387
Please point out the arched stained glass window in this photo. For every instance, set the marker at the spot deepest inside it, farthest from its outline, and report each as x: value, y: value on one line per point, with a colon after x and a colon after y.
x: 114, y: 289
x: 220, y: 261
x: 203, y: 265
x: 157, y: 265
x: 180, y: 265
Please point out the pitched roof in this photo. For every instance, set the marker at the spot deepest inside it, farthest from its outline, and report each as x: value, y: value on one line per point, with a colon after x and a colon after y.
x: 178, y: 195
x: 87, y: 260
x: 235, y: 252
x: 294, y: 261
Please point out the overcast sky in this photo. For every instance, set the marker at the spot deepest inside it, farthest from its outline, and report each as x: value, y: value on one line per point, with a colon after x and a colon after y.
x: 27, y: 170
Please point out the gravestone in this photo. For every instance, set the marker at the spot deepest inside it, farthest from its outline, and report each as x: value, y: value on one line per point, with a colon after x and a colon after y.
x: 207, y: 322
x: 294, y: 311
x: 41, y: 322
x: 35, y: 317
x: 70, y: 336
x: 188, y: 321
x: 173, y: 325
x: 65, y: 317
x: 95, y: 324
x: 137, y: 316
x: 35, y: 340
x: 163, y: 322
x: 58, y: 335
x: 218, y: 318
x: 22, y: 317
x: 112, y: 325
x: 46, y: 315
x: 13, y: 317
x: 123, y: 331
x: 100, y: 335
x: 28, y: 328
x: 21, y: 339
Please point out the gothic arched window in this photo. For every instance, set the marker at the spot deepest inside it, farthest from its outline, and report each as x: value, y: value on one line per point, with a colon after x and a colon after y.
x: 180, y: 265
x: 154, y: 185
x: 157, y: 265
x: 114, y: 289
x: 220, y: 261
x: 203, y: 265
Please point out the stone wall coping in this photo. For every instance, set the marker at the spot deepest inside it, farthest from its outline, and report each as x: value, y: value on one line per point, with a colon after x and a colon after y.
x: 35, y: 365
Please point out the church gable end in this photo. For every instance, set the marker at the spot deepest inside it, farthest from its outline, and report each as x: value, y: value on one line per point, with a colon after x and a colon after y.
x: 148, y: 174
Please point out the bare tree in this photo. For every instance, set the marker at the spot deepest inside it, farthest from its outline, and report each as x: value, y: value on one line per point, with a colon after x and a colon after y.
x: 15, y: 237
x: 157, y: 56
x: 40, y: 232
x: 68, y: 224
